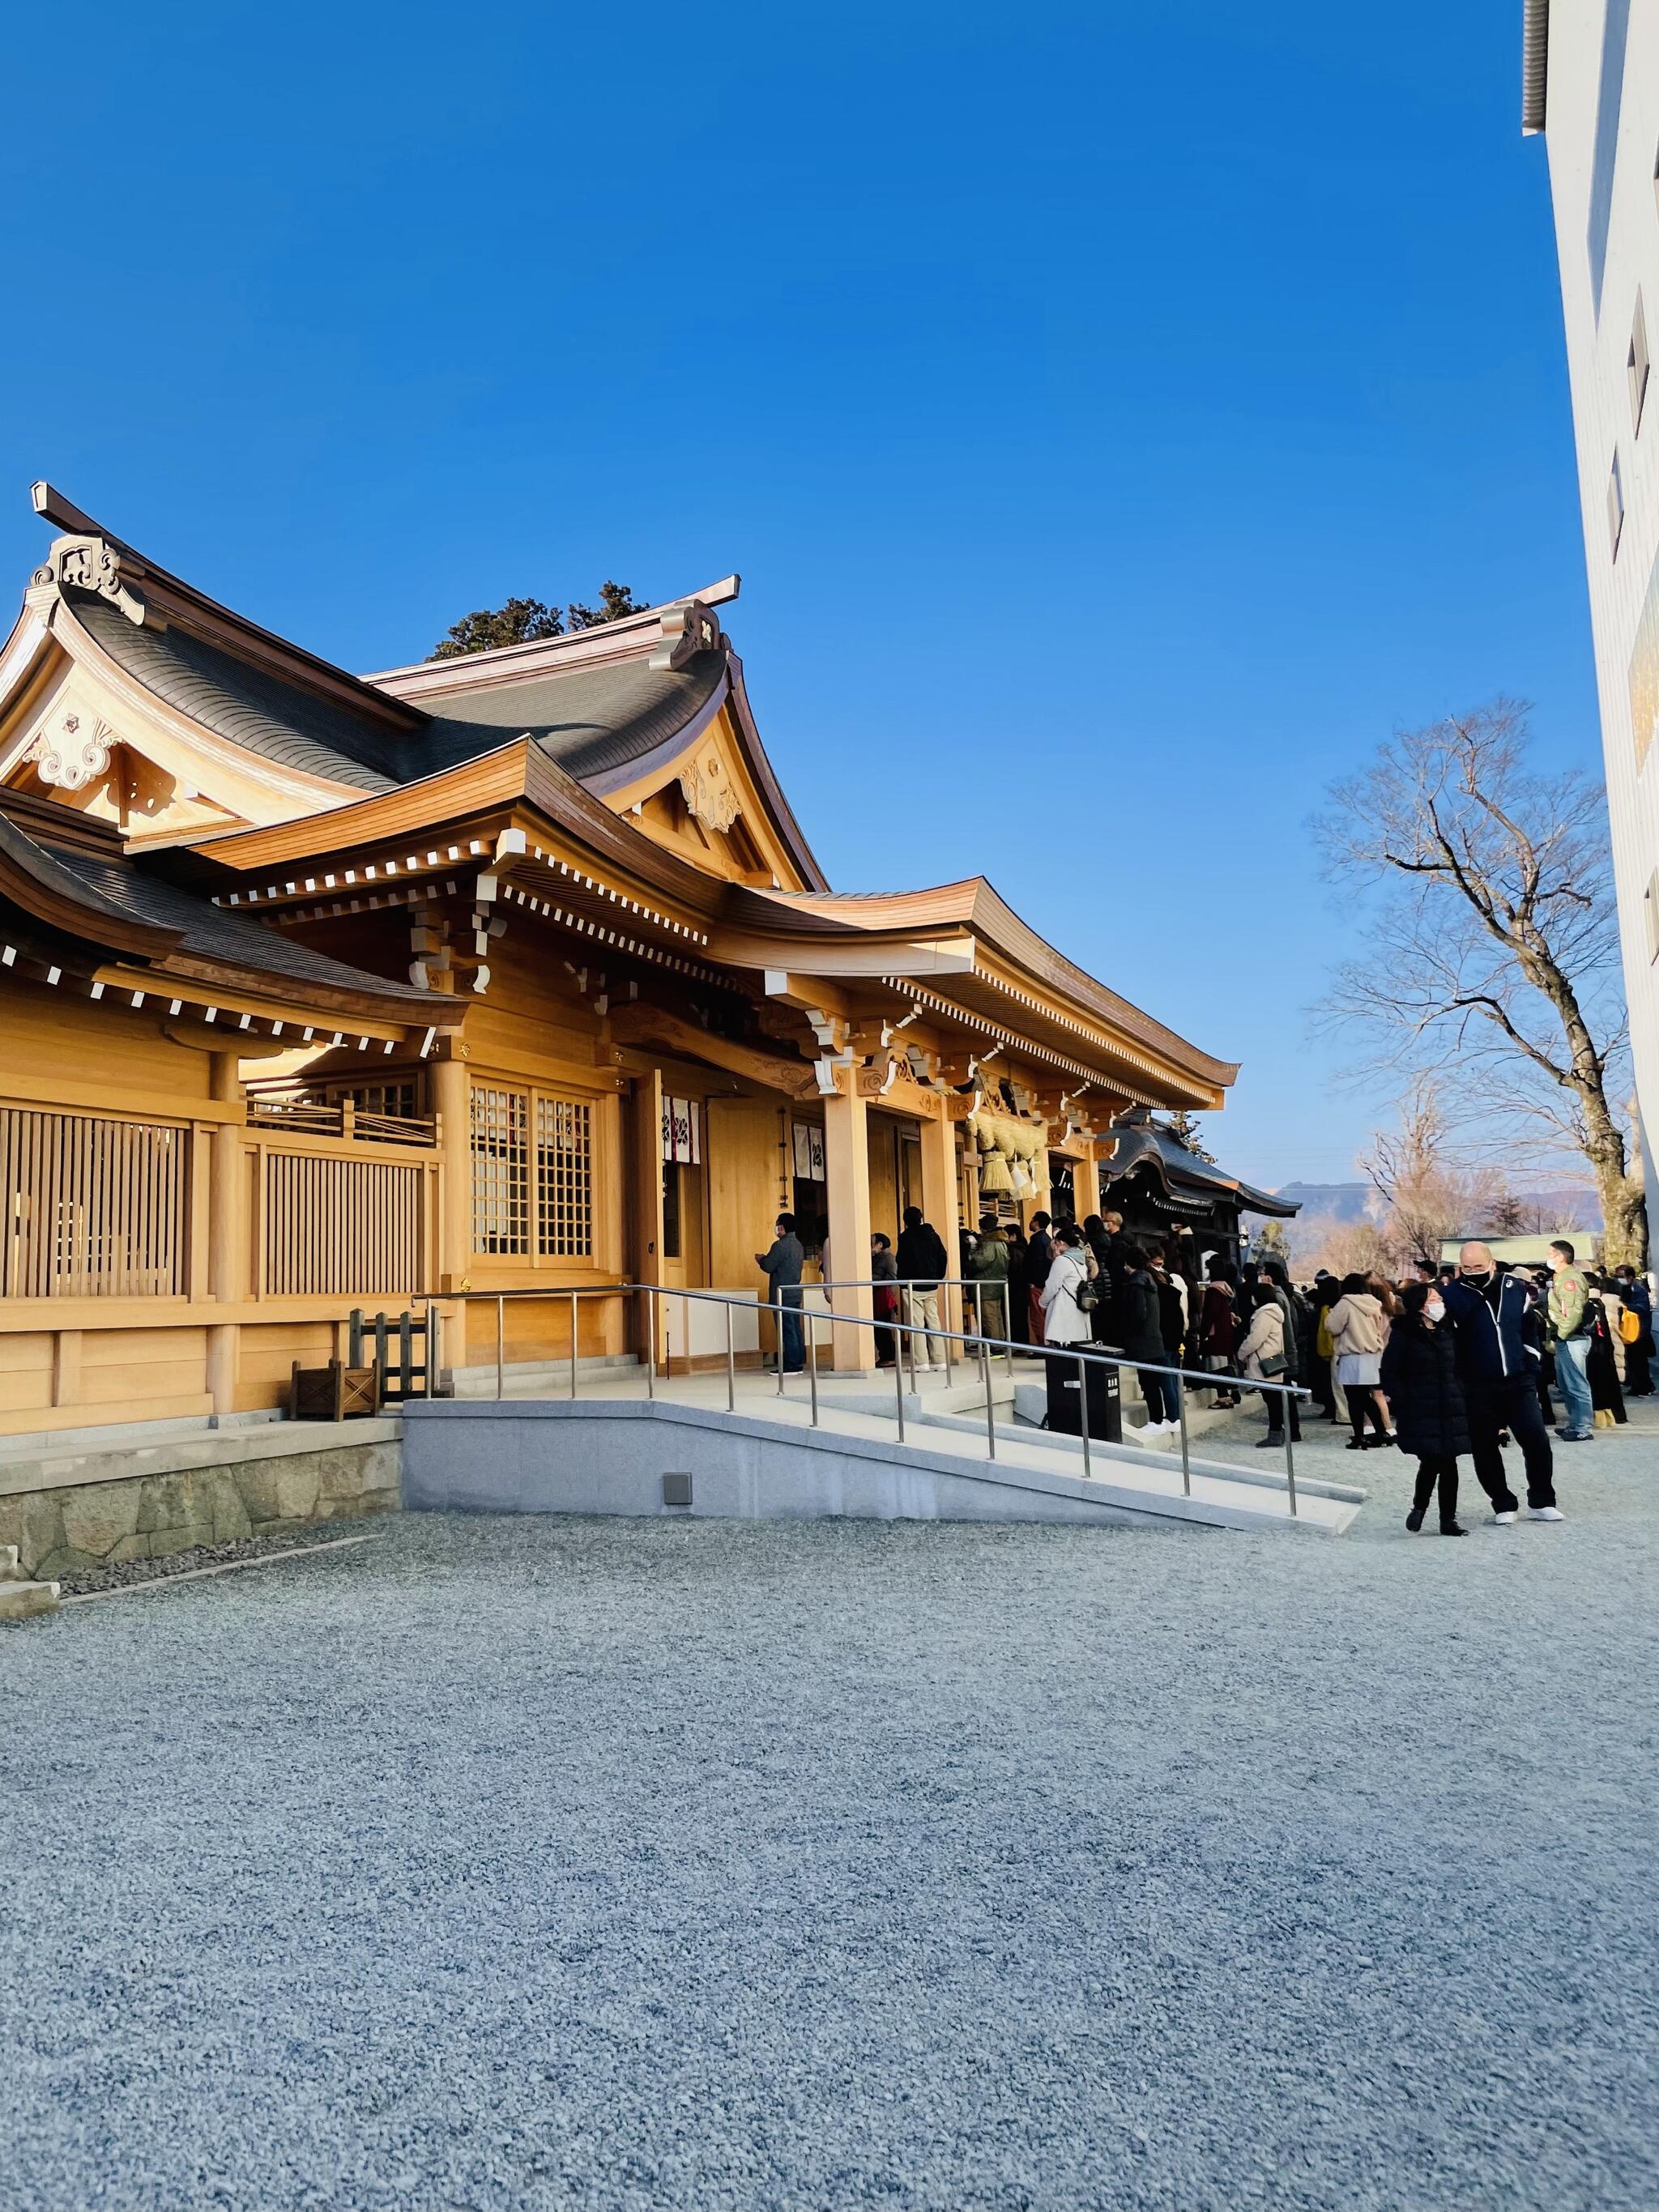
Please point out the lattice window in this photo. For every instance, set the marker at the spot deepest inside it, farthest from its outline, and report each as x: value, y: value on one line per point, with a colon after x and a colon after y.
x: 564, y: 1178
x: 93, y: 1207
x: 501, y: 1170
x: 403, y: 1099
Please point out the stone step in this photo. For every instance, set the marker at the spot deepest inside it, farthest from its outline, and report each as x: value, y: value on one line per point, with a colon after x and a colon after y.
x: 22, y: 1600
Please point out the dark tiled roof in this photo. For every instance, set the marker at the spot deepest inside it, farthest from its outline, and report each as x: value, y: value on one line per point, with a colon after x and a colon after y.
x: 1145, y: 1144
x: 254, y: 710
x: 209, y: 932
x: 591, y: 720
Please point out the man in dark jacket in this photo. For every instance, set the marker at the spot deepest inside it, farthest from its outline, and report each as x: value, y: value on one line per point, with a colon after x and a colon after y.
x: 782, y: 1266
x: 1039, y: 1258
x: 1496, y: 1319
x: 922, y: 1266
x: 1109, y: 1246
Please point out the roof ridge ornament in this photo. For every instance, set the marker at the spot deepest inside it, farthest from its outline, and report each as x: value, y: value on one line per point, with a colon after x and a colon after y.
x: 687, y: 629
x: 87, y: 563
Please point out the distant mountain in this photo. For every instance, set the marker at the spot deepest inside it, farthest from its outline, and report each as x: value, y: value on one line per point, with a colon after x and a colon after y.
x: 1327, y: 1202
x: 1551, y: 1209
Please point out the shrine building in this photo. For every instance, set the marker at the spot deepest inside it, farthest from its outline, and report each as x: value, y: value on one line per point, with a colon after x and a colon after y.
x: 512, y: 972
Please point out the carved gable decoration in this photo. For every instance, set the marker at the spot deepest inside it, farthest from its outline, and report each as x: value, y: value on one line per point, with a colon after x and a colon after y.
x: 71, y: 750
x: 75, y: 755
x: 707, y: 788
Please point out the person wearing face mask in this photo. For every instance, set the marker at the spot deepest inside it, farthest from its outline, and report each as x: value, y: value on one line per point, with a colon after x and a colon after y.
x: 1425, y: 1396
x: 1496, y: 1320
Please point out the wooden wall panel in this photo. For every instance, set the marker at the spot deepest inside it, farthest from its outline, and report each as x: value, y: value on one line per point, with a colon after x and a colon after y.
x: 26, y: 1363
x: 741, y: 1166
x: 883, y: 1183
x: 52, y: 1032
x: 267, y: 1356
x: 133, y: 1368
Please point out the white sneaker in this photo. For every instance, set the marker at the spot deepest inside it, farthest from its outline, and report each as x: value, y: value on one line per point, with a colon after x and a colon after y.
x: 1504, y: 1520
x: 1543, y: 1513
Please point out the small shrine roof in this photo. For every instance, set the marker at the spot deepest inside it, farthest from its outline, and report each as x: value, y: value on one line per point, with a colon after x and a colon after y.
x: 1140, y: 1142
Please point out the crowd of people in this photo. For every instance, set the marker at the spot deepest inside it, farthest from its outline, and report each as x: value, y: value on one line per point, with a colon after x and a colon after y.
x: 1455, y: 1362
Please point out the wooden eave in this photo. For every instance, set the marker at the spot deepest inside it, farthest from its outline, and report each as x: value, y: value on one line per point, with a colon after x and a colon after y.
x: 384, y: 819
x: 1011, y: 955
x: 266, y: 999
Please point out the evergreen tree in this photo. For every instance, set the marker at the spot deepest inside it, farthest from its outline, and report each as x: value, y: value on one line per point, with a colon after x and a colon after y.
x: 522, y: 622
x: 615, y: 600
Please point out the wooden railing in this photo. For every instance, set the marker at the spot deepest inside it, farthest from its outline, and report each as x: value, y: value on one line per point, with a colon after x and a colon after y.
x: 340, y: 1117
x: 332, y: 1227
x: 93, y: 1207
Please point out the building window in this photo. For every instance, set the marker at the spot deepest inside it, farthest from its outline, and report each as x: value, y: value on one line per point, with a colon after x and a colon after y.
x: 501, y: 1190
x: 1644, y: 672
x: 1615, y: 508
x: 501, y: 1172
x: 1636, y: 366
x: 564, y: 1178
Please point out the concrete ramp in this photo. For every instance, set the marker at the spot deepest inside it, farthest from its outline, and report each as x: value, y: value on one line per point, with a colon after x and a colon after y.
x: 657, y: 1456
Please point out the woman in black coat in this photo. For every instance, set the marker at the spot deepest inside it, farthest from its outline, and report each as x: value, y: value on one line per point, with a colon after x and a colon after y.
x: 1420, y: 1382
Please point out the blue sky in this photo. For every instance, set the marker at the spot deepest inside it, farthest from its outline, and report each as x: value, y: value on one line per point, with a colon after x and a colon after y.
x: 1121, y: 417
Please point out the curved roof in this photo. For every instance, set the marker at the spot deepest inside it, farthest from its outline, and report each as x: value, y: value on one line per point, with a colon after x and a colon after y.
x: 974, y: 904
x: 1140, y: 1142
x: 86, y: 886
x: 591, y: 718
x: 249, y: 706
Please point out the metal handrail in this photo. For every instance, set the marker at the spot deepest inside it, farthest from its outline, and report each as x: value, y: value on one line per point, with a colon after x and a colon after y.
x: 983, y: 1346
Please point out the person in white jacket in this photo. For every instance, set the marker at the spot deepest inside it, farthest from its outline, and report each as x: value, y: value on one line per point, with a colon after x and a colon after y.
x: 1064, y: 1320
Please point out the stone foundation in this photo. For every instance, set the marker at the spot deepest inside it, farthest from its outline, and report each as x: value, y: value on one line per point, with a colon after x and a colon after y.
x: 71, y: 1513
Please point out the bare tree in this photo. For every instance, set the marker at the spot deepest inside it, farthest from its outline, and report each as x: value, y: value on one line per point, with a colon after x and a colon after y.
x: 1341, y: 1247
x: 1493, y: 945
x: 1422, y: 1197
x: 1506, y: 1216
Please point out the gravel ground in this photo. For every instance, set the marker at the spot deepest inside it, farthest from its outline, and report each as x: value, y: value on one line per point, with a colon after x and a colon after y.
x: 590, y: 1864
x: 127, y: 1572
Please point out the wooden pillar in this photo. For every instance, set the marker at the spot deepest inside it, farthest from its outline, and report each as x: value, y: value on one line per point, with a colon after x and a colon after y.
x: 645, y: 1247
x: 1038, y: 1202
x: 847, y: 1167
x: 1085, y: 1183
x: 227, y: 1234
x: 941, y: 1202
x: 451, y: 1101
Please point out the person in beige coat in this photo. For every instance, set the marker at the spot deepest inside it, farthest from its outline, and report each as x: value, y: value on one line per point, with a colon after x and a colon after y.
x: 1262, y: 1353
x: 1358, y: 1330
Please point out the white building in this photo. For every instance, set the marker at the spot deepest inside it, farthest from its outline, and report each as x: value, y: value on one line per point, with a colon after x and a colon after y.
x: 1590, y: 83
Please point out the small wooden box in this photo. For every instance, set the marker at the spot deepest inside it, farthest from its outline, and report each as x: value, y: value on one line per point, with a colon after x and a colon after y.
x: 334, y: 1392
